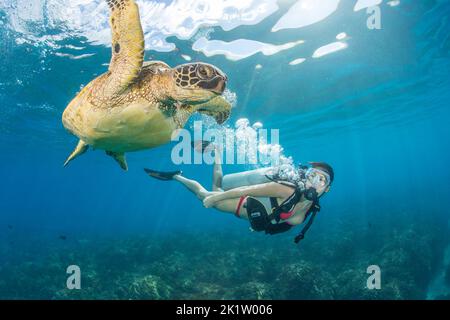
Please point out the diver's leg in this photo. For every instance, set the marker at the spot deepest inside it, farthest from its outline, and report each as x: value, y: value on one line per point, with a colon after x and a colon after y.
x: 231, y: 206
x: 228, y: 205
x: 193, y: 186
x: 217, y: 170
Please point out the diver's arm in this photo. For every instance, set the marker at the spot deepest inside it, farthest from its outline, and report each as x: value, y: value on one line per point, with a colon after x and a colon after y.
x: 271, y: 189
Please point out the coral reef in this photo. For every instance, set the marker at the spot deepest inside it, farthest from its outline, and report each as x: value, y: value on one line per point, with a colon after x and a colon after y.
x: 330, y: 264
x: 148, y: 287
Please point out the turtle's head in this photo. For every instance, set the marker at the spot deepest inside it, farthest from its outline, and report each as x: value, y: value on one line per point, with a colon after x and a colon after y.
x: 197, y: 83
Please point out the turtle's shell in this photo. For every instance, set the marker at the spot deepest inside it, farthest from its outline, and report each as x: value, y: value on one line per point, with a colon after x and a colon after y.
x: 131, y: 121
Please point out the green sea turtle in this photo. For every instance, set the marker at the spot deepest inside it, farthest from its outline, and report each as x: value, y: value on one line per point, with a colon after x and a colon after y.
x: 137, y: 105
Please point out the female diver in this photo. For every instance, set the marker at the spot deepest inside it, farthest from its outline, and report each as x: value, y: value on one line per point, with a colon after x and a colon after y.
x: 273, y: 206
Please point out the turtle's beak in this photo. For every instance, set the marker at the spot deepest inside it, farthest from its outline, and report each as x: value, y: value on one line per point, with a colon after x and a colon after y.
x: 221, y: 84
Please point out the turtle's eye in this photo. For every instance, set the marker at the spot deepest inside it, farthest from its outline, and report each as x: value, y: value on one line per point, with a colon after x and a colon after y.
x: 204, y: 72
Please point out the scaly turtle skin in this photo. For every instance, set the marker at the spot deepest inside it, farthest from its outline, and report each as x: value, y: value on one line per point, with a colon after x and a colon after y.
x: 138, y: 105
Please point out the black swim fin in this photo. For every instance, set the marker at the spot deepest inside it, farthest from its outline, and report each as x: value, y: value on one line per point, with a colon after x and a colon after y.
x: 201, y: 145
x: 160, y: 175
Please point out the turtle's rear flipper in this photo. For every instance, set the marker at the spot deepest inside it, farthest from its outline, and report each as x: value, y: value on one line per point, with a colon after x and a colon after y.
x: 120, y: 159
x: 81, y: 148
x: 165, y: 176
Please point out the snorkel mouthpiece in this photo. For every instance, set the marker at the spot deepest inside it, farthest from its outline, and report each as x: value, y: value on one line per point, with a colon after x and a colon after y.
x: 311, y: 194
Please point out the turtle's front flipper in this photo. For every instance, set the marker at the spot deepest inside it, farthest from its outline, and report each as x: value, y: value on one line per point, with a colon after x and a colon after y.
x: 127, y: 46
x: 218, y: 108
x: 120, y: 158
x: 79, y: 150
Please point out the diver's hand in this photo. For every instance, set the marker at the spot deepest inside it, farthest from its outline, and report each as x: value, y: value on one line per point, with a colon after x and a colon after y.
x: 210, y: 201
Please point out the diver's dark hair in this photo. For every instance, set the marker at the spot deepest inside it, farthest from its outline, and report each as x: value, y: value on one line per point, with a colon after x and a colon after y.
x: 324, y: 167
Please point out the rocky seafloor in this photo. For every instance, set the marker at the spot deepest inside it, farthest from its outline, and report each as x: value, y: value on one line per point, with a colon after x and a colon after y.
x: 328, y: 264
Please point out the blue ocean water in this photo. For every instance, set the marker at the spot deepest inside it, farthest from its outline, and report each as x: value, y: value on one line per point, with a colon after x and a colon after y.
x: 377, y: 111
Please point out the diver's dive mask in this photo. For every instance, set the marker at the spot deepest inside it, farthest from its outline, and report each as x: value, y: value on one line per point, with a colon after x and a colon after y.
x: 318, y: 178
